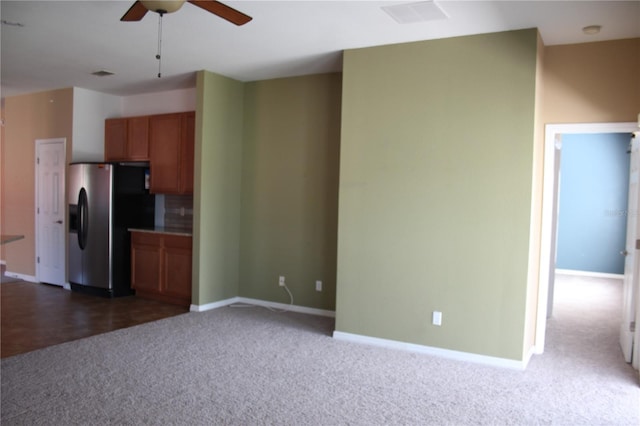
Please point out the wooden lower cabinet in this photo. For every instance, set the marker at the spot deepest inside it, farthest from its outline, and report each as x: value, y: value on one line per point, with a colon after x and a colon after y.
x: 177, y: 267
x: 161, y: 267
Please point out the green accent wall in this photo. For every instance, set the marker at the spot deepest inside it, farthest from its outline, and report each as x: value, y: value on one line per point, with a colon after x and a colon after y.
x: 218, y: 165
x: 290, y: 189
x: 435, y: 191
x: 266, y: 189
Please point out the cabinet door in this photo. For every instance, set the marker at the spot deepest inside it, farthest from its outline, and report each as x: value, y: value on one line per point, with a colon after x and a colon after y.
x: 145, y: 261
x: 187, y: 158
x: 165, y: 134
x: 115, y: 139
x: 177, y: 267
x: 138, y: 138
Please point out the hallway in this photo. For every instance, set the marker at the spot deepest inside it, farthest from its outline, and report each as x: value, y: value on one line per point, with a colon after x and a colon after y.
x: 584, y: 327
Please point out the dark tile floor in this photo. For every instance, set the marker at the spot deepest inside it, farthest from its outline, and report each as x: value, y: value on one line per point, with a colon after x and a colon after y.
x: 34, y: 316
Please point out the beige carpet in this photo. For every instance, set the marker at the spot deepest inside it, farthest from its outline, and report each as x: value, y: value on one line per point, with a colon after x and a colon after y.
x: 251, y: 366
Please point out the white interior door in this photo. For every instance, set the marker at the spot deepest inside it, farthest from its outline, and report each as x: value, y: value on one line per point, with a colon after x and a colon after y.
x: 631, y: 273
x: 50, y: 211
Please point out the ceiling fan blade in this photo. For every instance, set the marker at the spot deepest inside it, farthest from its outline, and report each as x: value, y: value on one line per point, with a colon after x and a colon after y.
x: 223, y: 11
x: 135, y: 12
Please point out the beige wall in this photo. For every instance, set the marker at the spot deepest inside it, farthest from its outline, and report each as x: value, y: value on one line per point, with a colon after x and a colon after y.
x: 42, y: 115
x: 592, y: 82
x: 587, y: 83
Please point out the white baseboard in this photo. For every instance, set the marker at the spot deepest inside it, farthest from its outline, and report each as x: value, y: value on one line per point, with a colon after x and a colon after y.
x: 429, y: 350
x: 263, y: 303
x: 287, y: 307
x: 214, y: 305
x: 22, y: 277
x: 533, y: 350
x: 589, y: 274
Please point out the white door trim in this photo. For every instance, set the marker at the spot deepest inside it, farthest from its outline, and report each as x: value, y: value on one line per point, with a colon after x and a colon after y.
x: 549, y: 208
x: 635, y: 360
x: 38, y: 143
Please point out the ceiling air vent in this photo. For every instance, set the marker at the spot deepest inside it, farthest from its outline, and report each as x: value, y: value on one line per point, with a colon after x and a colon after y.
x: 102, y: 73
x: 410, y: 13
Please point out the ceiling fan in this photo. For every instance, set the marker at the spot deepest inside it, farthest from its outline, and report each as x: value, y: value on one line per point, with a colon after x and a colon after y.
x: 141, y: 7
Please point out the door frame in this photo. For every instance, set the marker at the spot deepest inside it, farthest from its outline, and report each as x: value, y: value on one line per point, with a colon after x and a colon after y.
x: 38, y: 143
x: 552, y: 143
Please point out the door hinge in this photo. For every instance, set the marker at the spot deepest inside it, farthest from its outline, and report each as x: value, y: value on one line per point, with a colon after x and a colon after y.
x: 632, y: 326
x: 38, y: 259
x: 38, y: 160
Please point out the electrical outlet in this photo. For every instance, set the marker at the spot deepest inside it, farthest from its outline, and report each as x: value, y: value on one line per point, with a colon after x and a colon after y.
x: 436, y: 318
x: 318, y: 285
x: 281, y: 281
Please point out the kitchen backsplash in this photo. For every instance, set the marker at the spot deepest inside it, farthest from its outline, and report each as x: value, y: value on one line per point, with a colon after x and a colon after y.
x: 178, y: 211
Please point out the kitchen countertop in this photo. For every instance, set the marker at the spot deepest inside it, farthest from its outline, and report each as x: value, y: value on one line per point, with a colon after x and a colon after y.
x: 164, y: 230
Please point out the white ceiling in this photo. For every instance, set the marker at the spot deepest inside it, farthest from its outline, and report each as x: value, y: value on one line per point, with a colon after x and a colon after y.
x: 62, y: 42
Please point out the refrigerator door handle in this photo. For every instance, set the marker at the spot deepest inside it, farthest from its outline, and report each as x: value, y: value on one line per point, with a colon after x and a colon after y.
x: 83, y: 216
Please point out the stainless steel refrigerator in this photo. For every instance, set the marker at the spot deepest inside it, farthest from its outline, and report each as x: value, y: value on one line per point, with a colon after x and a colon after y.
x: 105, y: 200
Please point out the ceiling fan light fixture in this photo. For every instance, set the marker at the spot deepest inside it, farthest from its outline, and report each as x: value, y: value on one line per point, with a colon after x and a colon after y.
x: 164, y: 6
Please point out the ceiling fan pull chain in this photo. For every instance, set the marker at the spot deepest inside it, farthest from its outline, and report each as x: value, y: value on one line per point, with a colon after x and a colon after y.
x: 159, y: 54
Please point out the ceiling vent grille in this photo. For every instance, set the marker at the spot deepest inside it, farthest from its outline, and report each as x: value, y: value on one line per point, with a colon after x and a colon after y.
x: 410, y: 13
x: 102, y: 73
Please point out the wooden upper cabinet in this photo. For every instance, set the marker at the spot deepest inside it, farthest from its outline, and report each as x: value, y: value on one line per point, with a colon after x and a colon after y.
x: 138, y: 138
x: 126, y: 139
x: 165, y: 140
x: 171, y: 153
x: 115, y: 139
x: 165, y: 132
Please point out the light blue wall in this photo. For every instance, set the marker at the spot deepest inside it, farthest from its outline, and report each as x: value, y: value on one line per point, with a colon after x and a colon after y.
x: 594, y: 176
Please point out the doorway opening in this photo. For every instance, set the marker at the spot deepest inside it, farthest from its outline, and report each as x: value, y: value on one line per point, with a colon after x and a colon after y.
x: 553, y: 144
x: 586, y: 297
